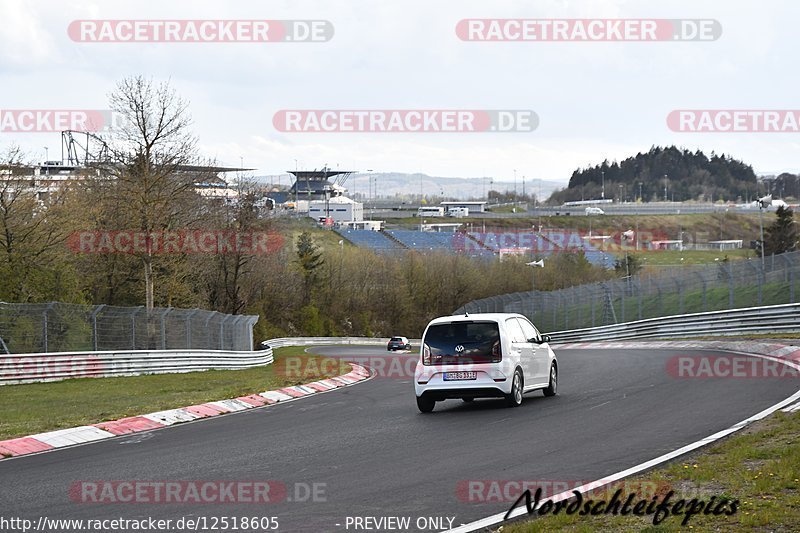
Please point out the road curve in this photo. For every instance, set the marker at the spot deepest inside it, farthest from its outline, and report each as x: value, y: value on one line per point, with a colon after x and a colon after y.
x: 373, y: 454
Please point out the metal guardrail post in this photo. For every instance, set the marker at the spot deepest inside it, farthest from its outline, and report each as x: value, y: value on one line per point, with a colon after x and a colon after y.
x: 188, y: 327
x: 640, y: 296
x: 250, y: 325
x: 44, y: 325
x: 205, y: 328
x: 94, y: 314
x: 133, y: 326
x: 758, y: 270
x: 680, y: 293
x: 703, y: 282
x: 164, y: 328
x: 555, y: 310
x: 730, y: 285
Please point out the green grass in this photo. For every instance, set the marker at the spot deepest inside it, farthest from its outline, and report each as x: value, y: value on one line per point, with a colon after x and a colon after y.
x: 687, y: 257
x: 37, y: 407
x: 759, y: 466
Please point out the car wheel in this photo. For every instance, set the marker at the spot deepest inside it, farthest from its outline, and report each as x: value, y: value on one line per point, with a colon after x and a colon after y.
x: 552, y: 387
x: 468, y: 399
x: 515, y: 398
x: 425, y: 405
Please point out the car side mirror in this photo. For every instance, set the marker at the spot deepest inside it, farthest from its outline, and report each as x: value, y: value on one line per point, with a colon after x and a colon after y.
x: 545, y: 338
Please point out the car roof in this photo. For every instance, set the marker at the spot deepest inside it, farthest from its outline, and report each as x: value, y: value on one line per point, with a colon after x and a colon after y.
x: 491, y: 317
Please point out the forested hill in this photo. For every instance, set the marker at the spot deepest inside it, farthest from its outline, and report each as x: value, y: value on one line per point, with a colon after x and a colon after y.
x: 689, y: 176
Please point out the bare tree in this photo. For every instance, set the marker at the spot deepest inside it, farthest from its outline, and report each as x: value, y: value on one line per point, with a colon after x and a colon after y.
x: 153, y: 152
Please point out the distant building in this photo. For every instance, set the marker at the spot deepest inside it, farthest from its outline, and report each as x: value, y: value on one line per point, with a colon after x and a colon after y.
x: 729, y: 244
x: 372, y: 225
x: 339, y: 208
x: 666, y: 245
x: 316, y: 184
x: 474, y: 207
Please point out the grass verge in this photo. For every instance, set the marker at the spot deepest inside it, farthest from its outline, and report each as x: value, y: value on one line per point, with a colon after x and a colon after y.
x: 759, y: 466
x: 37, y: 407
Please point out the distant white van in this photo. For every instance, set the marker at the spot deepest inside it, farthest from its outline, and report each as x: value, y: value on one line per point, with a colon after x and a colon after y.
x: 430, y: 211
x: 594, y: 211
x: 458, y: 212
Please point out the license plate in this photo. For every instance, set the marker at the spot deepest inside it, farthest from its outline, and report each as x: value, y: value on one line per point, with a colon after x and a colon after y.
x: 460, y: 376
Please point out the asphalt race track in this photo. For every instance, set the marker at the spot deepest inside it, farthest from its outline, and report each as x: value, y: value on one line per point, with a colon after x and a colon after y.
x: 373, y: 454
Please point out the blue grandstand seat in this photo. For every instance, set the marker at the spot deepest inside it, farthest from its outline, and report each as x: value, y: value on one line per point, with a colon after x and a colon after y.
x: 374, y: 240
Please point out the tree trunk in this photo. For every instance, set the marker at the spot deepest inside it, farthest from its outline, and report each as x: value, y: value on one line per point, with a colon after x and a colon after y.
x: 148, y: 281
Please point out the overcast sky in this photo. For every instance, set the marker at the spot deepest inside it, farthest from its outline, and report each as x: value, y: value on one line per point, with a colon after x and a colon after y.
x: 594, y: 100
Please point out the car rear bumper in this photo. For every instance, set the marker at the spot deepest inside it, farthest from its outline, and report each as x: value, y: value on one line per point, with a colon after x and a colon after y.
x: 465, y: 392
x: 492, y: 380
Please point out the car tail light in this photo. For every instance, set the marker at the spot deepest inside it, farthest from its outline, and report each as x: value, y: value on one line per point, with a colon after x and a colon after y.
x: 426, y: 355
x: 497, y: 353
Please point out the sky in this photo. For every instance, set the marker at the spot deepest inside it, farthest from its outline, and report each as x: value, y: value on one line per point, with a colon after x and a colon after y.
x: 593, y: 100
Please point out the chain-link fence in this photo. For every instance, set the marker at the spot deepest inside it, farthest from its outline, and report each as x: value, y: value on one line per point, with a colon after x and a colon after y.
x: 726, y: 284
x: 59, y: 327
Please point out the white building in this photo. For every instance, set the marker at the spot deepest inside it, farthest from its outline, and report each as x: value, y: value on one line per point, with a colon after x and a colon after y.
x: 474, y: 207
x: 340, y: 208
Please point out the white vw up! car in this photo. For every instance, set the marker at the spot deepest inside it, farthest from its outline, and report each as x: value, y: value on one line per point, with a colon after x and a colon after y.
x: 493, y: 355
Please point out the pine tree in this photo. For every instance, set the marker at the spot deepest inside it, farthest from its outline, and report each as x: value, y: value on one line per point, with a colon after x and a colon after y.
x: 782, y: 234
x: 310, y: 259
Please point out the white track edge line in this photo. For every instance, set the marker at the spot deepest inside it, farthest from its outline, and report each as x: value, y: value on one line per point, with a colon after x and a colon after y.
x: 519, y: 511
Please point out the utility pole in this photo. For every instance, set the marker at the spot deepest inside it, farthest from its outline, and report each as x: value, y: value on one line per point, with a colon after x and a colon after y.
x: 665, y: 187
x: 296, y: 182
x: 515, y: 186
x: 761, y: 224
x: 533, y: 265
x: 603, y: 180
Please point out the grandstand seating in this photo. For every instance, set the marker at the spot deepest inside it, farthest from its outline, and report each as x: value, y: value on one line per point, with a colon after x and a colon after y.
x: 426, y: 241
x: 476, y: 244
x: 374, y: 240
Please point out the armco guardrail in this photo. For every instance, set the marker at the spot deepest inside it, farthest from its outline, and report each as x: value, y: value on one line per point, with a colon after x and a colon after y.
x: 36, y: 367
x: 29, y: 368
x: 768, y: 319
x: 320, y: 341
x: 311, y: 341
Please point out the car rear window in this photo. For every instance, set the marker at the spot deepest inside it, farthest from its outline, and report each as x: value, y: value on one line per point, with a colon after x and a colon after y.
x: 462, y: 342
x: 396, y: 339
